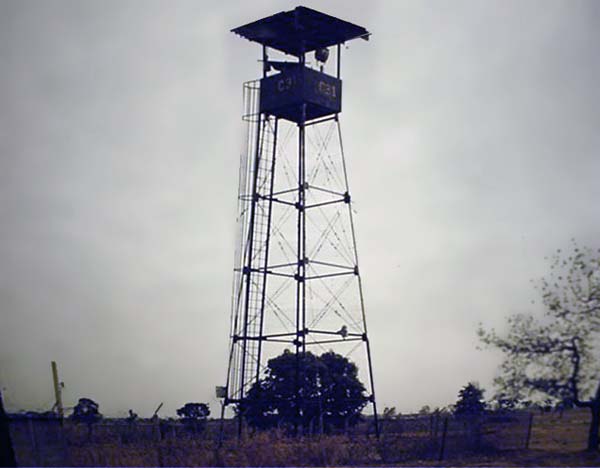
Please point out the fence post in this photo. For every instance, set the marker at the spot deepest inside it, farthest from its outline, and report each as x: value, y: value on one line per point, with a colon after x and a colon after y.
x: 7, y: 454
x: 34, y: 445
x: 159, y: 456
x: 444, y: 432
x: 63, y: 442
x: 529, y: 427
x: 156, y: 429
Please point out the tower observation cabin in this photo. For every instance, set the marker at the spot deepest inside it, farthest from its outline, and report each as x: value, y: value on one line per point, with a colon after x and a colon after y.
x: 296, y: 92
x: 297, y: 285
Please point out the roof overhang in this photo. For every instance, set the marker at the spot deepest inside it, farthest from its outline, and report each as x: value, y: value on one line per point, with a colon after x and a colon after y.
x: 300, y: 30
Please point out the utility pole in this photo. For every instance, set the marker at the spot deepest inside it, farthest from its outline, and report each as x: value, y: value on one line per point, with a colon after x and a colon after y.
x: 57, y: 391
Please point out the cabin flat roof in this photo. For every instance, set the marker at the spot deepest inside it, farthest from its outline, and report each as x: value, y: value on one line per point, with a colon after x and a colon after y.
x: 300, y: 30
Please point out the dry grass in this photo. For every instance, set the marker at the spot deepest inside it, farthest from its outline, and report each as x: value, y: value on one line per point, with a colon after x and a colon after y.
x: 555, y: 441
x: 328, y: 451
x: 556, y: 433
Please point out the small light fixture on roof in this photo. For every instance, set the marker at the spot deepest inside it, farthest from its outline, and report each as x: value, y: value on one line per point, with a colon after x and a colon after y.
x: 322, y: 54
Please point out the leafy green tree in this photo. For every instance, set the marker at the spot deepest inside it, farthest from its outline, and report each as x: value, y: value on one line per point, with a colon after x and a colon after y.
x: 555, y: 356
x: 132, y: 417
x: 502, y: 403
x: 468, y: 409
x: 194, y: 416
x: 470, y: 401
x: 330, y: 393
x: 86, y: 411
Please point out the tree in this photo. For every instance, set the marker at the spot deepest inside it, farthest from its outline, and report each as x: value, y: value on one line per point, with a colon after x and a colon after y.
x: 86, y: 411
x: 194, y: 416
x: 553, y: 356
x: 330, y: 393
x: 133, y: 417
x: 470, y: 400
x: 468, y: 409
x: 506, y: 403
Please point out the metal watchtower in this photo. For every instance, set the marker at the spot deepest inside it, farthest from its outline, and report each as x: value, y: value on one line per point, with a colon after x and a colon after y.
x: 296, y: 281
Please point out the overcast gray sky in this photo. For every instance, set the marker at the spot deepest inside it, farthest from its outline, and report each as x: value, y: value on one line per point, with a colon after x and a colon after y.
x: 471, y: 135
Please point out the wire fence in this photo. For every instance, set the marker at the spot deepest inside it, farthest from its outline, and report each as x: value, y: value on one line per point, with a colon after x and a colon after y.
x: 438, y: 436
x: 433, y: 437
